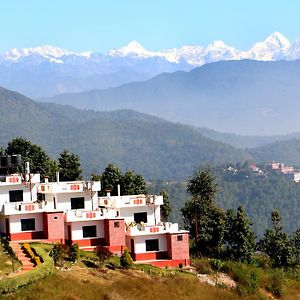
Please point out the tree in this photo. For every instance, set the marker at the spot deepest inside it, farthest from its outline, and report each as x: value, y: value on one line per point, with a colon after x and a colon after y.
x: 126, y: 260
x: 295, y: 243
x: 69, y: 166
x: 202, y: 217
x: 34, y: 154
x: 103, y: 254
x: 110, y: 179
x: 239, y: 236
x: 165, y: 209
x: 276, y: 243
x: 133, y: 184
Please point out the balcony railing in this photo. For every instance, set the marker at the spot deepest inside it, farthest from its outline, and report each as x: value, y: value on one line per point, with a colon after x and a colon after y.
x: 85, y: 215
x: 141, y: 229
x: 129, y: 201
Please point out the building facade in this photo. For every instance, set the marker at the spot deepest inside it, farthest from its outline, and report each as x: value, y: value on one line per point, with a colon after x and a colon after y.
x: 72, y: 212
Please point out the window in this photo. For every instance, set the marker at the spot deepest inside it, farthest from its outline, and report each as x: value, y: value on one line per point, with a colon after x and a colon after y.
x: 77, y: 203
x: 27, y: 224
x: 41, y: 197
x: 16, y: 196
x: 179, y: 238
x: 55, y: 218
x: 152, y: 245
x: 116, y: 224
x: 140, y: 217
x: 89, y: 231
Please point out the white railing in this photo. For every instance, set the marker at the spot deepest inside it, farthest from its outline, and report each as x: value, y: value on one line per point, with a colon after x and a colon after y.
x: 129, y: 201
x: 140, y: 229
x: 85, y: 215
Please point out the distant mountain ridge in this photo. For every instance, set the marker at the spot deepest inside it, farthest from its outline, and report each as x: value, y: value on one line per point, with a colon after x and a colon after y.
x: 149, y: 145
x: 243, y: 97
x: 45, y: 71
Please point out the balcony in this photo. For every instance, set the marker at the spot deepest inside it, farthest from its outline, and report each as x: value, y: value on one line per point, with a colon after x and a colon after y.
x: 61, y: 187
x: 141, y: 229
x: 10, y: 180
x: 89, y: 215
x: 129, y: 201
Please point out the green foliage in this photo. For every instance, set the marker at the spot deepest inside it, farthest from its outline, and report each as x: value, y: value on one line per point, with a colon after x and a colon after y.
x: 295, y: 243
x: 275, y: 282
x: 246, y: 276
x: 9, y: 285
x: 130, y: 182
x: 59, y: 253
x: 103, y: 255
x: 110, y: 179
x: 165, y: 209
x: 202, y: 217
x: 69, y: 166
x: 276, y: 243
x: 133, y: 184
x: 39, y: 161
x: 74, y: 252
x: 239, y: 236
x: 126, y: 260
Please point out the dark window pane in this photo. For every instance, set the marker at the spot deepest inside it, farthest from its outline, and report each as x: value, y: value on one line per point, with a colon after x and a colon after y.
x: 27, y: 224
x: 179, y: 238
x: 16, y: 196
x: 77, y: 203
x: 116, y: 224
x: 152, y: 245
x: 140, y: 217
x: 89, y: 231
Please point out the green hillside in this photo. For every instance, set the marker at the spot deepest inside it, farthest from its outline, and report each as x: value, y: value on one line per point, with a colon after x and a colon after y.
x: 151, y: 146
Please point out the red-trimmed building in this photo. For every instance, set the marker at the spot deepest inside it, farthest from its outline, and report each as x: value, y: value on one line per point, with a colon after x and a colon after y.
x: 72, y: 212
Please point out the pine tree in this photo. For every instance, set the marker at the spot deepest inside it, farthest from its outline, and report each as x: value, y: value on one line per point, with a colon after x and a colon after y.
x: 133, y: 184
x: 110, y: 179
x: 165, y: 209
x: 239, y: 237
x: 276, y: 243
x: 69, y: 166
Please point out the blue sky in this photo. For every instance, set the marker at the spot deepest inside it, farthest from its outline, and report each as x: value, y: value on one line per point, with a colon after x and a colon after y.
x: 157, y: 24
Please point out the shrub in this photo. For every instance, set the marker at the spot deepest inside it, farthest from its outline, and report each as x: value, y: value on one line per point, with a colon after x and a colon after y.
x: 203, y: 266
x: 9, y: 285
x: 275, y: 283
x: 103, y: 255
x: 74, y: 252
x: 126, y: 260
x: 246, y: 276
x: 59, y: 253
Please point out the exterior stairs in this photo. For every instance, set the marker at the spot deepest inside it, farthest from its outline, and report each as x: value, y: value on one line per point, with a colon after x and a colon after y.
x: 22, y: 256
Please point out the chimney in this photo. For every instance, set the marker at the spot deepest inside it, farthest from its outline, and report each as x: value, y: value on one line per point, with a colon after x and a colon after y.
x: 46, y: 179
x: 119, y: 190
x: 57, y: 177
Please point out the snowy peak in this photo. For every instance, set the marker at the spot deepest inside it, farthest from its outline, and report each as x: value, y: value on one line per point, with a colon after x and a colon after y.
x: 273, y: 47
x: 132, y: 49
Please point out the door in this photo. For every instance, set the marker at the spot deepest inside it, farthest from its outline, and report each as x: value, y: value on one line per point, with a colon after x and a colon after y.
x: 69, y: 235
x: 132, y: 247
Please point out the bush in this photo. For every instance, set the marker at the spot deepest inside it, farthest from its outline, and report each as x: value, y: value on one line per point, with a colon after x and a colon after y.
x: 74, y: 252
x: 246, y: 276
x: 203, y: 266
x: 126, y: 260
x: 275, y: 283
x: 59, y: 253
x: 11, y: 284
x: 103, y: 255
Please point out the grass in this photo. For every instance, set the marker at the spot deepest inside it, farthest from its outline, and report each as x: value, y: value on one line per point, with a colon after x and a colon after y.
x: 120, y: 284
x: 6, y: 264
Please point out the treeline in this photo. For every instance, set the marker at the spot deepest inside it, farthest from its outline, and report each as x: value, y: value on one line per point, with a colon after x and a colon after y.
x: 229, y: 235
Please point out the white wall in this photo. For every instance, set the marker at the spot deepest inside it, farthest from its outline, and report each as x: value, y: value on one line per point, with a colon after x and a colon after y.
x: 63, y: 201
x: 77, y: 229
x: 140, y: 244
x: 4, y: 193
x: 128, y: 213
x: 15, y: 222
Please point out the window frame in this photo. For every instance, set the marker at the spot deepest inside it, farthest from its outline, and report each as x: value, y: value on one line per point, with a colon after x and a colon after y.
x: 26, y: 223
x: 75, y: 200
x: 150, y: 246
x: 13, y: 193
x: 86, y: 234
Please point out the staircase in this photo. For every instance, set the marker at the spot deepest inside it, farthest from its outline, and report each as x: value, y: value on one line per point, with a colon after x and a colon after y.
x: 26, y: 262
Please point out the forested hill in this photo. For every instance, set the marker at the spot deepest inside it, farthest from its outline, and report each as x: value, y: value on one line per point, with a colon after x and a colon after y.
x: 283, y: 151
x: 245, y: 97
x: 150, y: 146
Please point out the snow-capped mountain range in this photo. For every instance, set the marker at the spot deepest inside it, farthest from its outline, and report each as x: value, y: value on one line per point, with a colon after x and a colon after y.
x: 274, y: 47
x: 48, y: 70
